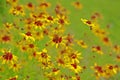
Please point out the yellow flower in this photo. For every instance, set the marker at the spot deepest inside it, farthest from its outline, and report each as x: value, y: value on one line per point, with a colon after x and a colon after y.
x: 17, y: 10
x: 82, y: 43
x: 97, y: 49
x: 8, y: 57
x: 57, y: 40
x: 75, y: 67
x: 28, y: 36
x: 13, y: 78
x: 15, y: 66
x: 62, y: 20
x: 75, y: 56
x: 8, y: 26
x: 92, y: 25
x: 43, y: 55
x: 77, y: 5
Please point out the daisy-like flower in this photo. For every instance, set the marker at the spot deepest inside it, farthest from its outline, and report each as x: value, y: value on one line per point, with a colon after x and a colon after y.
x: 13, y: 78
x: 97, y: 49
x: 8, y: 26
x: 62, y: 20
x: 116, y: 48
x: 106, y: 41
x: 111, y: 69
x: 28, y: 36
x: 99, y: 72
x: 15, y: 66
x: 30, y: 6
x: 6, y: 36
x: 69, y: 40
x: 89, y: 23
x: 75, y: 57
x: 44, y: 5
x: 55, y: 71
x: 8, y: 57
x: 12, y: 2
x: 43, y: 55
x: 57, y: 40
x: 75, y: 67
x: 17, y: 10
x: 82, y: 43
x: 77, y: 5
x: 39, y: 24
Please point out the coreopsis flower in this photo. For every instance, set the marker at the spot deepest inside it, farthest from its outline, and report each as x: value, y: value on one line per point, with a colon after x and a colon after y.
x: 28, y: 36
x: 62, y: 20
x: 30, y: 6
x: 43, y: 55
x: 8, y: 26
x: 17, y: 10
x: 93, y: 26
x: 75, y: 67
x: 15, y: 66
x: 116, y: 48
x: 13, y: 78
x: 82, y: 43
x: 60, y: 10
x: 6, y: 36
x: 44, y: 5
x: 106, y: 41
x: 57, y: 40
x: 12, y: 2
x: 55, y: 71
x: 39, y: 24
x: 97, y: 49
x: 38, y: 35
x: 77, y: 5
x: 99, y: 72
x: 69, y: 40
x: 75, y: 56
x: 8, y: 57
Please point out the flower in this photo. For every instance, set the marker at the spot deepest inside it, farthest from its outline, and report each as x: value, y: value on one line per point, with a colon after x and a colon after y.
x: 17, y: 10
x: 8, y: 57
x: 75, y: 67
x: 77, y: 5
x: 97, y: 49
x: 15, y: 66
x: 57, y: 40
x: 28, y: 36
x: 82, y: 43
x: 13, y: 78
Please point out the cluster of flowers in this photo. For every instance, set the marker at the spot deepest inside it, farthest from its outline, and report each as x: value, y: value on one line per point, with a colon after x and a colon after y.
x: 42, y: 36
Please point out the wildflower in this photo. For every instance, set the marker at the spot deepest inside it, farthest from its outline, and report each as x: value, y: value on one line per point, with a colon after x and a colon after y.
x: 57, y: 40
x: 43, y: 55
x: 106, y: 41
x: 92, y: 25
x: 82, y: 43
x: 28, y: 35
x: 30, y: 6
x: 97, y: 49
x: 77, y: 5
x: 8, y: 25
x: 44, y: 5
x: 69, y: 40
x: 61, y: 20
x: 8, y: 57
x: 15, y: 66
x: 12, y: 2
x: 75, y: 56
x: 13, y: 78
x: 116, y: 48
x: 17, y: 10
x: 75, y: 67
